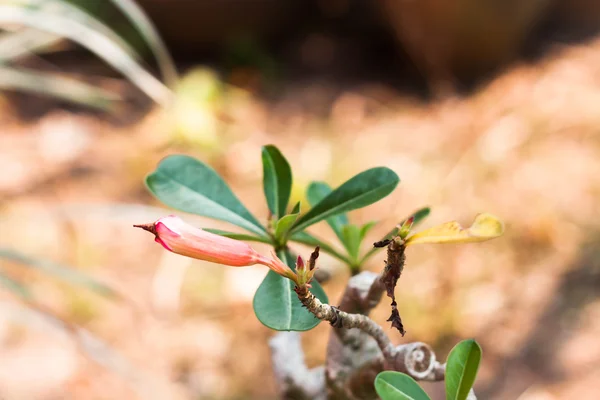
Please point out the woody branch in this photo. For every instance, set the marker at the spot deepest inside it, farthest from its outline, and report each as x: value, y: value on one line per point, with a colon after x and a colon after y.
x: 350, y: 373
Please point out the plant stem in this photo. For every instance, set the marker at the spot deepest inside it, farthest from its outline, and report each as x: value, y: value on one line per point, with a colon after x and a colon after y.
x: 341, y: 319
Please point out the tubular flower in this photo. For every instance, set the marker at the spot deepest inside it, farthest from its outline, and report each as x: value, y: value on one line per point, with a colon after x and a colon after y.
x: 181, y: 238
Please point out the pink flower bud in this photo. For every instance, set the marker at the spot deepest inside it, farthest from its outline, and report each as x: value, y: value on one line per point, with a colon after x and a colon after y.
x: 299, y: 263
x: 178, y: 237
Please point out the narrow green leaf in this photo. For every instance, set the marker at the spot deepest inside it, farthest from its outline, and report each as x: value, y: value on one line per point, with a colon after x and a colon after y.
x: 391, y: 385
x: 143, y: 24
x: 284, y: 224
x: 360, y: 191
x: 15, y: 45
x: 316, y: 192
x: 461, y: 369
x: 58, y: 86
x: 189, y: 185
x: 277, y: 180
x: 66, y: 274
x: 72, y: 10
x: 239, y: 236
x: 365, y: 229
x: 276, y: 304
x: 296, y: 209
x: 310, y: 240
x: 419, y: 215
x: 85, y: 32
x: 351, y: 236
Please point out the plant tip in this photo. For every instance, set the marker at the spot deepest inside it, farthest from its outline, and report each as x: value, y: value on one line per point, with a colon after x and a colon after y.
x: 147, y: 227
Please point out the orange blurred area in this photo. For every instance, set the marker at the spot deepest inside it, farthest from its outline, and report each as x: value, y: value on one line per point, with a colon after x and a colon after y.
x: 524, y: 145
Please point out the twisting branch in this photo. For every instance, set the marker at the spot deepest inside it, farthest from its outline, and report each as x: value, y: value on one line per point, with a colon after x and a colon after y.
x: 359, y: 348
x: 341, y: 319
x: 354, y: 359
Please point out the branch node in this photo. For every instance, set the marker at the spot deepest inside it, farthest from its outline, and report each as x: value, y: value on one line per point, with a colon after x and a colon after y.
x: 336, y: 320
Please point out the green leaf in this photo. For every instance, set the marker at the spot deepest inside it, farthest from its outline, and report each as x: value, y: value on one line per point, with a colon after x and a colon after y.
x: 316, y: 192
x: 365, y: 229
x: 310, y: 240
x: 18, y: 44
x: 461, y: 369
x: 144, y: 25
x: 360, y: 191
x: 64, y: 273
x: 277, y: 180
x: 74, y: 12
x: 391, y: 385
x: 189, y: 185
x: 296, y: 209
x: 59, y: 86
x: 239, y: 236
x: 276, y: 304
x: 351, y: 240
x: 83, y: 29
x: 419, y: 215
x: 284, y: 224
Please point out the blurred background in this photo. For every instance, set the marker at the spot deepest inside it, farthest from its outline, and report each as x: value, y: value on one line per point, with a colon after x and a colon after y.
x: 478, y: 105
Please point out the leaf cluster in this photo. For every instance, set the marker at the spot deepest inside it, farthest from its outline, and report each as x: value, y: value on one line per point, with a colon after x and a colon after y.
x: 189, y: 185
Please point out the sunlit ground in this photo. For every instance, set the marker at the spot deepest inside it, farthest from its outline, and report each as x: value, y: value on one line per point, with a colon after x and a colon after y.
x: 525, y: 147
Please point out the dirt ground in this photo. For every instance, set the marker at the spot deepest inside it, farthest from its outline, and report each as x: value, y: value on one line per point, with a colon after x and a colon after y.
x: 525, y: 147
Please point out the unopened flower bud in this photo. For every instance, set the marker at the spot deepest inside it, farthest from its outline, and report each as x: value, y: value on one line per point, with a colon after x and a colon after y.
x: 405, y: 228
x: 180, y: 238
x: 299, y: 264
x: 177, y: 236
x: 305, y: 273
